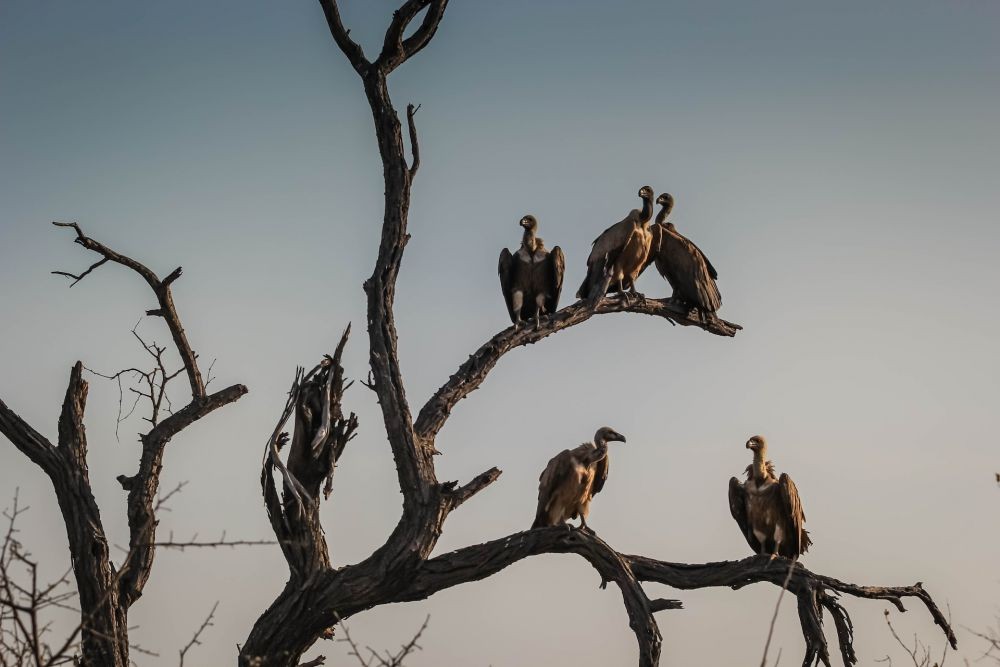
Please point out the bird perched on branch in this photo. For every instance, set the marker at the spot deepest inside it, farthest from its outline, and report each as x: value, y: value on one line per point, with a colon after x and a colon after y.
x: 531, y: 279
x: 683, y: 264
x: 571, y: 480
x: 620, y: 252
x: 767, y: 508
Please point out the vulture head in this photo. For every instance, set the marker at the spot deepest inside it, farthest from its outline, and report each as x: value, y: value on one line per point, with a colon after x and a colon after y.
x: 529, y: 222
x: 608, y: 434
x: 757, y: 444
x: 666, y: 200
x: 646, y: 192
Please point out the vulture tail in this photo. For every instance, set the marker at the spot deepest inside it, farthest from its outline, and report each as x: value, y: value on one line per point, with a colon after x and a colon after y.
x: 541, y: 519
x: 595, y: 275
x: 806, y: 540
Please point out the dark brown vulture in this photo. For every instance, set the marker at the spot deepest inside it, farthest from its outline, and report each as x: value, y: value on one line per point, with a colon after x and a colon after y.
x: 531, y: 279
x: 767, y: 508
x: 622, y: 251
x: 571, y: 480
x: 683, y: 264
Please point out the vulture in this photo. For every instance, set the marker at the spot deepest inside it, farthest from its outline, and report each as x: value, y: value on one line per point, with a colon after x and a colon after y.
x: 571, y: 480
x: 683, y: 264
x: 531, y: 279
x: 622, y: 251
x: 767, y: 508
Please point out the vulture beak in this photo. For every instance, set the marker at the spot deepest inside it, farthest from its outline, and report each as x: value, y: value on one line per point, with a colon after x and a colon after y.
x: 618, y: 436
x: 749, y: 444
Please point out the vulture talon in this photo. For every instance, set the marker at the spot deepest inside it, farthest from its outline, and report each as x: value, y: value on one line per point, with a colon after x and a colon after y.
x: 531, y: 279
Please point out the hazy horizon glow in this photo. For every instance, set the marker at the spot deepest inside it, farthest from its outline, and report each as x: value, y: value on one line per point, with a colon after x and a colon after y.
x: 839, y: 164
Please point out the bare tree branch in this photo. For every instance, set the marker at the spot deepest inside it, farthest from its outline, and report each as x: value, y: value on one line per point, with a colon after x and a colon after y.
x: 473, y: 372
x: 196, y: 639
x: 342, y: 36
x: 161, y: 288
x: 411, y: 111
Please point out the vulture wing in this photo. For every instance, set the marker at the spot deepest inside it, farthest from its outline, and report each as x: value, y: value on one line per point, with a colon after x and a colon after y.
x: 687, y: 271
x: 738, y: 508
x: 600, y: 475
x: 508, y: 276
x: 556, y: 264
x: 558, y: 470
x: 796, y: 518
x: 711, y: 269
x: 613, y: 239
x: 605, y: 251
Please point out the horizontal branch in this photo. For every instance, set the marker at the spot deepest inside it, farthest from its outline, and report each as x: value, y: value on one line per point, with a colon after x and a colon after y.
x: 483, y: 560
x: 480, y: 561
x: 471, y: 374
x: 479, y: 482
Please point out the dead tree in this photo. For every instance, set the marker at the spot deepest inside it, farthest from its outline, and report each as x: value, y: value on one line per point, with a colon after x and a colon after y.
x: 318, y: 596
x: 106, y: 590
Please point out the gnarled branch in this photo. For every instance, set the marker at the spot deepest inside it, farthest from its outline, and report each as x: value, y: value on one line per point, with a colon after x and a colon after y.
x: 161, y: 288
x: 472, y: 373
x: 814, y: 591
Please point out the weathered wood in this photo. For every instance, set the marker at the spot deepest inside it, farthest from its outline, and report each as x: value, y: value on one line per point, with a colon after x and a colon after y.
x: 317, y: 596
x: 107, y: 592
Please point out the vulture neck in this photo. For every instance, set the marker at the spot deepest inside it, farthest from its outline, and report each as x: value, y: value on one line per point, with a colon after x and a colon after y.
x: 647, y: 211
x: 661, y: 217
x: 758, y: 470
x: 530, y: 241
x: 600, y: 450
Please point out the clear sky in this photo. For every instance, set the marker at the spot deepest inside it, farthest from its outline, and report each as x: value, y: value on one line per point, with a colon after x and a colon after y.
x: 838, y: 162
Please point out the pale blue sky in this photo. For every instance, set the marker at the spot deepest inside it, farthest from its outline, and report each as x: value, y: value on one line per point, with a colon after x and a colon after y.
x: 838, y: 162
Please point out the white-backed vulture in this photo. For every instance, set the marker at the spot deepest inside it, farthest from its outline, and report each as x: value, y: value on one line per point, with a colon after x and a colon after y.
x: 767, y: 508
x: 571, y: 480
x: 531, y: 279
x: 683, y: 264
x: 622, y: 251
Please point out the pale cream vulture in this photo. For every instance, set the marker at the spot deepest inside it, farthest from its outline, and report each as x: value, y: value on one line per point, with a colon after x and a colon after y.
x: 622, y: 251
x: 767, y: 508
x: 571, y: 480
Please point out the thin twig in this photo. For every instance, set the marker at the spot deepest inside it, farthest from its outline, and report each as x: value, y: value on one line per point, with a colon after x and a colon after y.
x: 774, y: 617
